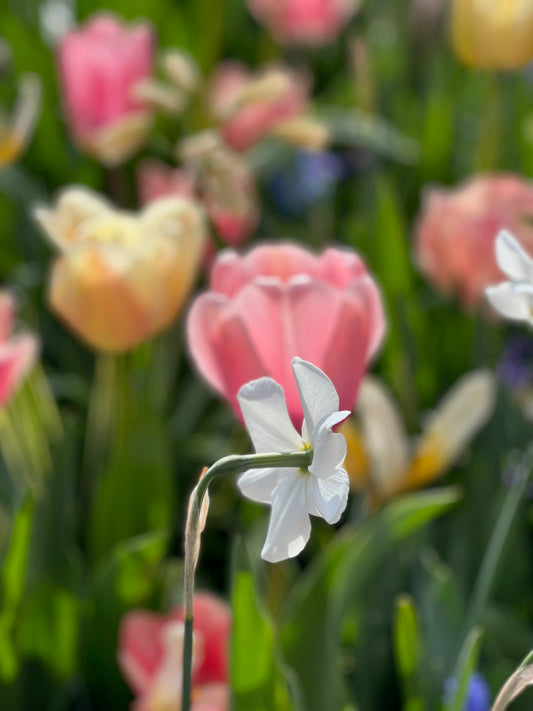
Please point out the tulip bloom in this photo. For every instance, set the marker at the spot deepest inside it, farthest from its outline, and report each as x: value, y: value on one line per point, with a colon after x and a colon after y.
x: 311, y: 22
x: 252, y: 106
x: 100, y: 64
x: 16, y: 131
x: 457, y: 229
x: 150, y: 653
x: 120, y: 278
x: 17, y: 353
x: 222, y: 181
x: 493, y: 35
x: 381, y: 459
x: 281, y: 301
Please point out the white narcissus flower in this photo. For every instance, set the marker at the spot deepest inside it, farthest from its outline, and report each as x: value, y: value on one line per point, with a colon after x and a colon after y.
x: 513, y: 299
x: 322, y: 489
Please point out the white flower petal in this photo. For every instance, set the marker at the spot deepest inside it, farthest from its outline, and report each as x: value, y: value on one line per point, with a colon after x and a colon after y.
x: 463, y: 411
x: 258, y: 484
x: 512, y: 258
x: 384, y: 436
x: 512, y: 300
x: 267, y: 420
x: 317, y: 393
x: 289, y: 528
x: 329, y: 447
x: 328, y: 497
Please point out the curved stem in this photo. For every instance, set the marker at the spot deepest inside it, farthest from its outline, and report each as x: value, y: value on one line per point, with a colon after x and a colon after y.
x: 233, y: 464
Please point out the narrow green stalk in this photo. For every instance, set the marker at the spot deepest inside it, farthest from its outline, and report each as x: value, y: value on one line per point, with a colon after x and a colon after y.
x: 489, y: 566
x: 233, y: 464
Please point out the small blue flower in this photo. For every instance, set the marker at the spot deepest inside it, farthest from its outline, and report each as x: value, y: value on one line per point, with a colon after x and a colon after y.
x: 478, y: 698
x: 309, y: 178
x: 515, y: 367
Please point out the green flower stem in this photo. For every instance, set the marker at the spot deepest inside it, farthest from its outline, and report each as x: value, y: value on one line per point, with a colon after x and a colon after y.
x: 233, y: 464
x: 491, y: 560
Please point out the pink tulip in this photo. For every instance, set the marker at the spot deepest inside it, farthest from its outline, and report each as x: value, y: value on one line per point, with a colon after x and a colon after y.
x: 250, y: 106
x: 156, y: 179
x: 17, y: 353
x: 100, y: 64
x: 457, y: 229
x: 145, y: 652
x: 312, y: 22
x: 281, y: 301
x: 225, y: 185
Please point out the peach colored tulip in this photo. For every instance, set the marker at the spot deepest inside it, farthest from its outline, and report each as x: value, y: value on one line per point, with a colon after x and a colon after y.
x: 120, y: 278
x: 493, y: 35
x: 149, y: 643
x: 17, y: 353
x: 100, y: 64
x: 281, y: 301
x: 311, y: 22
x: 250, y: 106
x: 457, y: 229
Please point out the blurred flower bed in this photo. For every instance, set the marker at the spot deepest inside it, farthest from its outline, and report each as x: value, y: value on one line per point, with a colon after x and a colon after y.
x: 298, y: 227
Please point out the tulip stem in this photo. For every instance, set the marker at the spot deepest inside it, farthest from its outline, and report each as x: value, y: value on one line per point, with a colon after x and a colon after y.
x: 234, y: 464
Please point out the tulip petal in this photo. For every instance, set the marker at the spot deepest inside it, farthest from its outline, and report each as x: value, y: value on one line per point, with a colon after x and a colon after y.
x: 327, y: 497
x: 7, y: 310
x: 512, y: 258
x: 289, y: 528
x: 512, y: 300
x: 221, y: 347
x: 17, y: 356
x: 140, y: 648
x: 266, y: 418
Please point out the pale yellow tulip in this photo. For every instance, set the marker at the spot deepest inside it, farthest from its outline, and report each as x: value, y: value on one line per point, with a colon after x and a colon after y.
x: 120, y: 278
x: 493, y: 34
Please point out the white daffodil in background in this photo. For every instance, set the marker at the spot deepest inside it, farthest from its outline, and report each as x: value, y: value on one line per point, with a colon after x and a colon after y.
x: 381, y: 459
x: 322, y: 489
x: 513, y: 299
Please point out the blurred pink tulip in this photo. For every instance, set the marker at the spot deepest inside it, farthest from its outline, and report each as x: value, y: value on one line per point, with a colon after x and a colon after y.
x: 457, y: 229
x: 150, y: 645
x: 250, y: 106
x: 225, y: 186
x: 311, y: 22
x: 100, y: 64
x: 281, y: 301
x: 17, y: 353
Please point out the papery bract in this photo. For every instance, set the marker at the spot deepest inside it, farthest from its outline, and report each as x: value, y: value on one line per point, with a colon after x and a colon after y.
x: 145, y: 648
x: 100, y: 64
x: 120, y: 278
x: 250, y: 106
x: 457, y: 229
x: 295, y: 494
x: 493, y: 35
x: 17, y: 353
x: 311, y: 22
x: 281, y: 301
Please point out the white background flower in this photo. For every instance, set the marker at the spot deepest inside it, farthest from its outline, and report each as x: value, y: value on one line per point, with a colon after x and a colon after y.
x: 322, y: 490
x: 513, y: 299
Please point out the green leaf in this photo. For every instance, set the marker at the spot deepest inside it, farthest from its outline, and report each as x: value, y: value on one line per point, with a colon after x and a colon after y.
x: 327, y: 593
x: 407, y: 649
x: 465, y: 667
x: 256, y: 683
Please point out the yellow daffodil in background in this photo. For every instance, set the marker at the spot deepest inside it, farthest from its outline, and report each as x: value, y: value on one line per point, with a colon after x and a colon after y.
x: 381, y: 459
x: 493, y: 34
x: 121, y: 277
x: 16, y: 129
